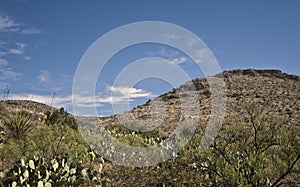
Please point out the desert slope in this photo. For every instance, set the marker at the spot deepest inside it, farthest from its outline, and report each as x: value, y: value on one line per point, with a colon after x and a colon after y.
x: 278, y: 92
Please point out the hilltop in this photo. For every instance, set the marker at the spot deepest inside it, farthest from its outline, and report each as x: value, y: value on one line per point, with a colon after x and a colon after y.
x: 27, y: 105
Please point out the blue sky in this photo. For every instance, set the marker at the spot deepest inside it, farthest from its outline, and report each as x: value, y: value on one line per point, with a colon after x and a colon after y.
x: 42, y: 42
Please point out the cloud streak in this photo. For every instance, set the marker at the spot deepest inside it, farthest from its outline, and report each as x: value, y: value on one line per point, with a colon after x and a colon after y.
x: 203, y: 56
x: 117, y: 95
x: 19, y: 50
x: 3, y: 62
x: 171, y: 36
x: 6, y: 74
x: 44, y: 76
x: 128, y: 92
x: 10, y: 48
x: 174, y: 56
x: 179, y: 60
x: 31, y: 31
x: 8, y: 24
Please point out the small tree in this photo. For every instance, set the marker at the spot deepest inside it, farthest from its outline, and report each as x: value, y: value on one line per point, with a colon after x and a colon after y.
x: 18, y: 125
x: 263, y: 151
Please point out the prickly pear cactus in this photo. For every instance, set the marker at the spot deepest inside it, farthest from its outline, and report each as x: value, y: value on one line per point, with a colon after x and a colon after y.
x: 58, y: 172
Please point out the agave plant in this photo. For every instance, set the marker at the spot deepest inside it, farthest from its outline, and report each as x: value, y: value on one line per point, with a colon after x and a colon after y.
x: 18, y: 125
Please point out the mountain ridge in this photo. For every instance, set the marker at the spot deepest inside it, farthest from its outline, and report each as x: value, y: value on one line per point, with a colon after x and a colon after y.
x: 238, y: 83
x: 276, y: 90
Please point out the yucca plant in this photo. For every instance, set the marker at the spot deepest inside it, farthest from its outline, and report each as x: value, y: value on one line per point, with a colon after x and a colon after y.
x: 18, y: 125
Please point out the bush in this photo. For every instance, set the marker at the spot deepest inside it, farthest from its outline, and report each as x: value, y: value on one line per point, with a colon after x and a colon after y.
x: 47, y: 142
x: 19, y: 125
x: 60, y: 117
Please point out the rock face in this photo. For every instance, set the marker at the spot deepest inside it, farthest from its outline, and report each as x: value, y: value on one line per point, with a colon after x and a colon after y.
x: 277, y: 92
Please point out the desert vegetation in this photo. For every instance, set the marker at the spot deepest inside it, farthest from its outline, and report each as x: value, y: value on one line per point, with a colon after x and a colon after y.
x: 261, y: 151
x: 52, y: 153
x: 258, y: 144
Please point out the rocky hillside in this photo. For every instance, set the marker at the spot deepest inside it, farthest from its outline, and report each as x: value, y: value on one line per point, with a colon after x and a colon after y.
x: 30, y: 106
x: 38, y: 110
x: 277, y: 91
x: 272, y: 88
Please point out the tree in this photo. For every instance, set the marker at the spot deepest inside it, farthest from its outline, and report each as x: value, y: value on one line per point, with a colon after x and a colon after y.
x: 264, y: 151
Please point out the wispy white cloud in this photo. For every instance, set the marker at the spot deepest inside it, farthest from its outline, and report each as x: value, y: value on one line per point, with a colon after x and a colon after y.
x: 2, y: 43
x: 123, y: 94
x: 6, y: 74
x: 173, y: 56
x: 203, y: 56
x: 27, y: 57
x: 31, y: 31
x: 10, y: 47
x: 129, y: 92
x: 179, y: 60
x: 117, y: 95
x: 165, y: 53
x: 86, y: 101
x: 44, y: 76
x: 21, y: 45
x: 58, y: 101
x: 191, y: 42
x: 8, y: 24
x: 171, y: 36
x: 48, y: 82
x: 3, y: 62
x: 18, y: 50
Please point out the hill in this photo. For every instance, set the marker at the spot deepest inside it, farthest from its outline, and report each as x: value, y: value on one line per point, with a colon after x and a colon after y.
x: 276, y: 91
x: 33, y: 107
x: 258, y: 144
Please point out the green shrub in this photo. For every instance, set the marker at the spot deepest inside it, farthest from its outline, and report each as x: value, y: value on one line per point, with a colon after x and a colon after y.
x: 47, y: 142
x: 264, y: 151
x: 18, y: 125
x: 60, y: 117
